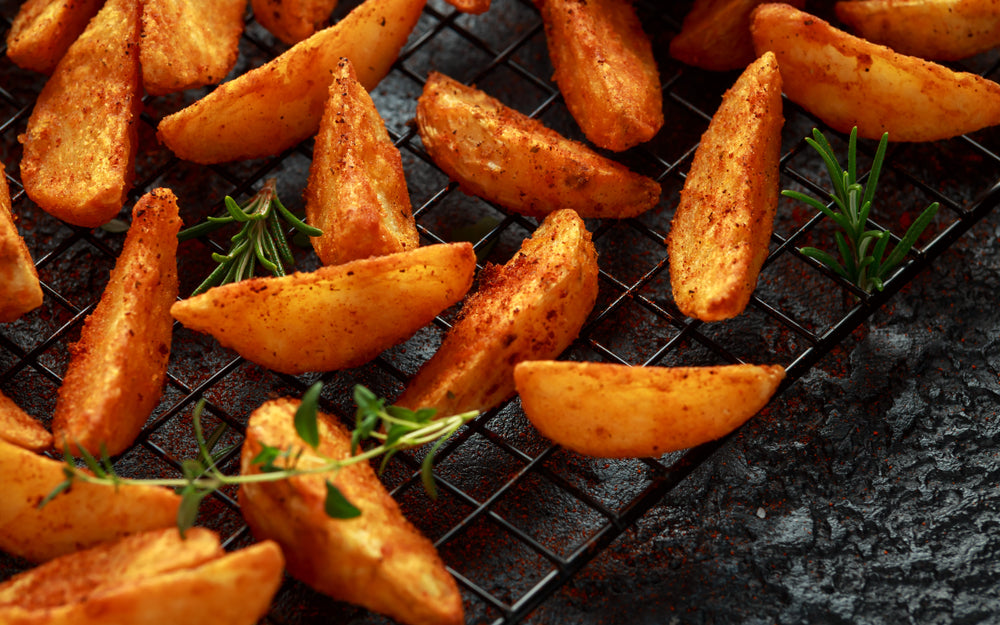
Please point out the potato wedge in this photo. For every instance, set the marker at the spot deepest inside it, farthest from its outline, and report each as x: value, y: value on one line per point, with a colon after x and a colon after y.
x: 940, y: 30
x: 17, y: 427
x: 79, y: 148
x: 188, y: 43
x: 605, y: 69
x: 335, y: 317
x: 293, y: 20
x: 275, y: 106
x: 531, y: 308
x: 720, y: 233
x: 470, y: 6
x: 84, y: 516
x: 509, y: 158
x: 43, y: 30
x: 357, y: 191
x: 20, y: 291
x: 154, y: 578
x: 377, y: 560
x: 616, y: 411
x: 847, y: 81
x: 116, y: 370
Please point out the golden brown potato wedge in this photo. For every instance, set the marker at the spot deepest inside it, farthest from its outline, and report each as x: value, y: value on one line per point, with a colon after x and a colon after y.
x: 20, y: 290
x: 79, y: 149
x: 336, y: 317
x: 84, y: 516
x: 530, y: 308
x: 17, y: 427
x: 188, y: 43
x: 357, y: 191
x: 605, y: 68
x: 720, y: 232
x: 509, y: 158
x: 154, y: 578
x: 847, y: 81
x: 617, y: 411
x: 293, y: 20
x: 117, y: 368
x: 941, y: 30
x: 43, y: 30
x: 470, y: 6
x: 377, y: 560
x: 273, y: 107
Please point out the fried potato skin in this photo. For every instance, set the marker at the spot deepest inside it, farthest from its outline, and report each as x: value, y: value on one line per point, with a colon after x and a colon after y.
x: 43, y: 30
x: 293, y: 20
x: 354, y: 311
x: 188, y: 43
x: 377, y: 560
x: 605, y: 69
x: 118, y: 366
x: 847, y: 81
x: 509, y: 158
x: 84, y: 516
x: 17, y: 427
x: 531, y: 308
x: 357, y: 191
x: 79, y: 147
x: 720, y: 232
x: 616, y: 411
x: 20, y: 291
x: 241, y: 119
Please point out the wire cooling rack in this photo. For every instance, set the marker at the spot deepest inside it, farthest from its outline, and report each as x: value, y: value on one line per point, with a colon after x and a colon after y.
x: 516, y: 517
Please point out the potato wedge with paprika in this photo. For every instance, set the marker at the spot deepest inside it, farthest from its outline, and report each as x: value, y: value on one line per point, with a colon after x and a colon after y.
x: 43, y: 30
x: 293, y: 20
x: 18, y: 427
x: 20, y: 291
x: 377, y: 559
x: 616, y: 411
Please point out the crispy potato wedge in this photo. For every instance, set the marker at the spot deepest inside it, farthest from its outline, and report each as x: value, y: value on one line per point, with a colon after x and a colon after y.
x: 275, y: 106
x: 116, y: 370
x: 509, y: 158
x: 357, y: 191
x: 617, y: 411
x: 940, y: 30
x: 79, y: 148
x: 43, y: 30
x: 475, y: 7
x: 847, y: 81
x: 531, y: 308
x: 188, y: 43
x: 377, y: 560
x: 720, y: 232
x: 605, y: 68
x: 84, y: 516
x: 293, y: 20
x: 154, y: 578
x: 17, y: 427
x: 20, y: 291
x: 336, y: 317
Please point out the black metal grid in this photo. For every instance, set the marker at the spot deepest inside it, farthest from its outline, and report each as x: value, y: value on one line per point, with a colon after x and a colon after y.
x: 517, y: 517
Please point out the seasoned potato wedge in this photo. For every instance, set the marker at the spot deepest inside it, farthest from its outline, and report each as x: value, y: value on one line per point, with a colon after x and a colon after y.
x: 470, y: 6
x: 941, y: 30
x: 20, y: 290
x: 188, y: 43
x: 117, y: 368
x: 293, y: 20
x: 84, y: 516
x: 605, y: 68
x: 17, y: 427
x: 337, y: 316
x: 377, y: 560
x: 275, y: 106
x: 847, y: 81
x: 357, y: 191
x: 509, y: 158
x: 153, y: 578
x: 720, y: 232
x: 530, y: 308
x: 79, y: 149
x: 617, y: 411
x: 43, y: 30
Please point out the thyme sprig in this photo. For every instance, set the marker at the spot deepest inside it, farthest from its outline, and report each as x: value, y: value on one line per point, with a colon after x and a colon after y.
x: 862, y: 252
x: 261, y: 239
x: 393, y: 427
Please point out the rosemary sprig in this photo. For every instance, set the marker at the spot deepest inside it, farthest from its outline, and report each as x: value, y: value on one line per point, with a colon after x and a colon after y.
x: 862, y: 252
x: 260, y: 240
x: 395, y: 429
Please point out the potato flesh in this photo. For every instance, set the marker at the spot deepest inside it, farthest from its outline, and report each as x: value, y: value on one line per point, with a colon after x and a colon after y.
x: 720, y: 233
x: 20, y: 291
x: 17, y: 427
x: 513, y: 160
x: 293, y: 20
x: 117, y: 368
x: 617, y: 411
x: 377, y: 560
x: 43, y: 30
x: 847, y: 81
x: 357, y: 191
